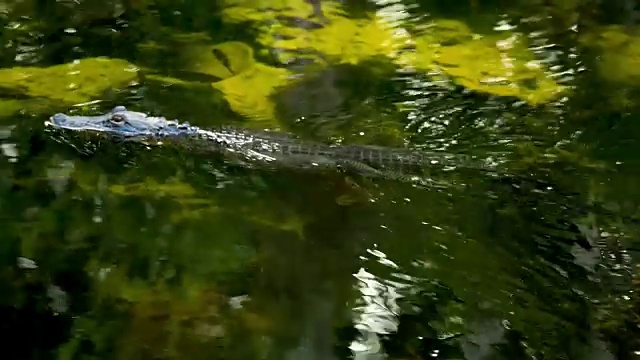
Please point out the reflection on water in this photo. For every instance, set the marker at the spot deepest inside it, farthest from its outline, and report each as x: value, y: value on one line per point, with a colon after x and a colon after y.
x: 122, y: 250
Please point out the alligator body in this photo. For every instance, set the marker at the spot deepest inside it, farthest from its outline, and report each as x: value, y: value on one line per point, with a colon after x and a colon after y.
x: 253, y: 146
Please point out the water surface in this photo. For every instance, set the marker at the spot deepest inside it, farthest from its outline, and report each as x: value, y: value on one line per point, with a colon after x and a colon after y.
x: 123, y: 251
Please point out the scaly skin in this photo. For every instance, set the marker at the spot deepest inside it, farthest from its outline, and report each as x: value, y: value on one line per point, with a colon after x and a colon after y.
x: 266, y: 146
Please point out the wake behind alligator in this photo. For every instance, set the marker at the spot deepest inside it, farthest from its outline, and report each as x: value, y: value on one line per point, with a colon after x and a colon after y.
x: 251, y: 146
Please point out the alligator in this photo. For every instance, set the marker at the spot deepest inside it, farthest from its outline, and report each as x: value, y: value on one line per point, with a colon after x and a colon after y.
x: 250, y: 146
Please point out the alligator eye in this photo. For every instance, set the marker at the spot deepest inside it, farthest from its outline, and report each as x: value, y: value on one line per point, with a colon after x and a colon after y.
x: 117, y: 119
x: 59, y: 118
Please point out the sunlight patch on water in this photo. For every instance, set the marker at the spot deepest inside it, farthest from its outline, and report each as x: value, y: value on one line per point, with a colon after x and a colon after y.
x: 378, y: 311
x: 377, y: 315
x: 10, y: 151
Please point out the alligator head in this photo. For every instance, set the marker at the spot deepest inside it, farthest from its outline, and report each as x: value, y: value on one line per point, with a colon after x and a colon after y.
x: 121, y: 122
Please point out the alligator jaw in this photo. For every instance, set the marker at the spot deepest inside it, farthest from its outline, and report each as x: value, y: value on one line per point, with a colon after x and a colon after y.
x: 63, y: 121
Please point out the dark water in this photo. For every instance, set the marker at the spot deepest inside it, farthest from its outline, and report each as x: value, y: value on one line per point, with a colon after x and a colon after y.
x: 113, y: 250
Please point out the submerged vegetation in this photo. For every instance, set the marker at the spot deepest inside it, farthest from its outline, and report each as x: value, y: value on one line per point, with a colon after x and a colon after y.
x: 118, y: 250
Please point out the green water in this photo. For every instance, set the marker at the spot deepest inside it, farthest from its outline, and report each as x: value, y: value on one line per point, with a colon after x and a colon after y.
x: 113, y: 250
